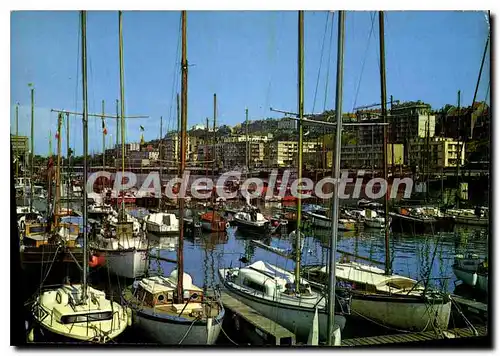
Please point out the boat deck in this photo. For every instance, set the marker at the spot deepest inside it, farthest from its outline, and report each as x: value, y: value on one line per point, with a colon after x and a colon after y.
x: 281, y: 335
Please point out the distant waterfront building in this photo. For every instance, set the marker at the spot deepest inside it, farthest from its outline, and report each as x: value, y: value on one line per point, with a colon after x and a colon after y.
x: 368, y: 156
x: 438, y: 152
x: 284, y: 153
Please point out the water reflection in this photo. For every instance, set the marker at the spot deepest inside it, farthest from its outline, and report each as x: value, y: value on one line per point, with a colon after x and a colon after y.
x: 421, y: 257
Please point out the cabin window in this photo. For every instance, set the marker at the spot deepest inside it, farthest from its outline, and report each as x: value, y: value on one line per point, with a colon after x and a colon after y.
x: 84, y: 318
x: 161, y: 297
x: 166, y: 220
x: 251, y: 284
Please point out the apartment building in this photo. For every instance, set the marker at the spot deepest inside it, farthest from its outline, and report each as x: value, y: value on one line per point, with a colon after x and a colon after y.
x: 437, y: 152
x: 284, y: 153
x: 368, y: 156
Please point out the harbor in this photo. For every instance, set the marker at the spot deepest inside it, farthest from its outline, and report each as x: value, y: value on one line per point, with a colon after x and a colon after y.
x: 219, y: 246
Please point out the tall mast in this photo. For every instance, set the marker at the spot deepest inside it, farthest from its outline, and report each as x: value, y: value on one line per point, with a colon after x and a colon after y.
x: 103, y: 138
x: 122, y: 105
x: 299, y: 125
x: 336, y: 162
x: 58, y: 171
x: 68, y: 176
x: 178, y: 133
x: 17, y: 134
x: 214, y: 157
x: 247, y: 160
x: 117, y: 139
x: 459, y: 151
x: 388, y: 266
x: 85, y: 150
x: 161, y: 157
x: 184, y: 83
x: 32, y: 165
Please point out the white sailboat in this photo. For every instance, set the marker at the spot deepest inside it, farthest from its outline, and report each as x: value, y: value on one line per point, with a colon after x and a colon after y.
x: 270, y: 291
x: 279, y: 295
x: 392, y: 300
x: 162, y: 224
x: 121, y: 242
x: 79, y: 312
x: 380, y: 295
x: 172, y: 310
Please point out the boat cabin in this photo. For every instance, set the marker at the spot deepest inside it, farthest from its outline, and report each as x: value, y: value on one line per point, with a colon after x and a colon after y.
x: 159, y: 292
x: 269, y: 280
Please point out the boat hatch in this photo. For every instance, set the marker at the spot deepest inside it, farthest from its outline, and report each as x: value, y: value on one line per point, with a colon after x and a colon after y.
x: 89, y: 317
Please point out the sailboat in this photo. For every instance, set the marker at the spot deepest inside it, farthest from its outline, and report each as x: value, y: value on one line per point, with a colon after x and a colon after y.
x: 389, y: 299
x: 280, y: 295
x: 79, y: 312
x: 121, y: 242
x: 172, y: 310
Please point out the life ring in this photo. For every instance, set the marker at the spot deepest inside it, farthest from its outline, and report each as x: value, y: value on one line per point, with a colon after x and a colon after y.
x: 228, y: 225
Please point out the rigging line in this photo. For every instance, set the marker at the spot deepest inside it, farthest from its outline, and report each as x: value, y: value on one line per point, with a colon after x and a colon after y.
x: 320, y: 61
x: 363, y: 64
x: 329, y: 64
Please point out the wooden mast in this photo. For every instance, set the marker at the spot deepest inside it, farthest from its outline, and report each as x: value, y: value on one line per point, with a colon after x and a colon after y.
x: 336, y: 169
x: 161, y: 157
x: 184, y: 83
x: 214, y: 161
x: 58, y: 172
x: 122, y: 109
x: 299, y: 126
x: 85, y: 151
x: 388, y: 266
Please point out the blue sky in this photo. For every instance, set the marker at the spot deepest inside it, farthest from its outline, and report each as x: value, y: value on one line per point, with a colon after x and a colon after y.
x: 248, y: 58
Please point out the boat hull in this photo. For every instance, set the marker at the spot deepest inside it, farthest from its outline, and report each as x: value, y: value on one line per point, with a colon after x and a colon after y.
x: 170, y: 331
x: 403, y: 313
x: 473, y: 221
x: 259, y: 229
x: 297, y: 320
x: 482, y: 283
x: 215, y: 227
x: 467, y: 277
x: 162, y: 230
x: 131, y: 263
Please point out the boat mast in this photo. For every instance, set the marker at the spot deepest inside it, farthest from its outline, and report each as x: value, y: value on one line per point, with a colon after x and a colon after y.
x: 122, y: 109
x: 459, y: 152
x: 32, y: 165
x: 383, y: 94
x: 299, y: 126
x: 85, y: 150
x: 17, y: 134
x: 58, y: 171
x: 68, y: 173
x: 117, y: 143
x: 103, y: 137
x: 336, y: 162
x: 247, y: 146
x: 213, y: 158
x: 161, y: 156
x: 178, y: 133
x: 184, y: 82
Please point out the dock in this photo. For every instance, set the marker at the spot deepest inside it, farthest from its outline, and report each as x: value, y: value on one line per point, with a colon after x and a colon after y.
x: 416, y: 337
x: 258, y: 328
